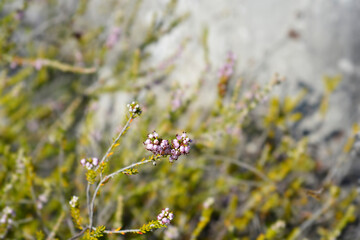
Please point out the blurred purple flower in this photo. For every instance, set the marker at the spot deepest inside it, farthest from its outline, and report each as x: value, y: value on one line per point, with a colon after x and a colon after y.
x: 38, y: 64
x: 89, y: 163
x: 227, y: 69
x: 165, y: 216
x: 113, y: 37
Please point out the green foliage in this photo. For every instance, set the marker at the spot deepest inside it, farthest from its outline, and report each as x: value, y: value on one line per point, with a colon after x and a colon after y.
x: 264, y: 179
x: 91, y: 176
x: 95, y: 234
x: 40, y: 235
x: 131, y: 171
x: 154, y: 224
x: 75, y: 214
x: 330, y: 84
x: 204, y: 219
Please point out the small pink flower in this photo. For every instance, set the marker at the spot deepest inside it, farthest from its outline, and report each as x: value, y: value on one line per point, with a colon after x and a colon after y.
x: 165, y: 216
x: 182, y: 149
x: 95, y: 161
x: 187, y: 149
x: 13, y: 65
x: 165, y: 221
x: 176, y: 143
x: 83, y: 161
x: 88, y: 165
x: 38, y: 64
x: 113, y: 37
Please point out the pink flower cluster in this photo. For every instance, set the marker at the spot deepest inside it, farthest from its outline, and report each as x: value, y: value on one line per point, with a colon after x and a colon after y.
x: 174, y: 149
x: 89, y: 163
x: 7, y: 216
x: 165, y: 216
x: 228, y: 68
x: 74, y: 202
x: 134, y: 109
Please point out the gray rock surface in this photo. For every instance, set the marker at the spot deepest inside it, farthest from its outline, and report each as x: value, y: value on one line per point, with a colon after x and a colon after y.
x: 302, y: 40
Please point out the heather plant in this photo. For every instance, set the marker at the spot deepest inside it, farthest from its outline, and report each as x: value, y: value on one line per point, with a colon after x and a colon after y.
x: 97, y: 175
x: 250, y: 172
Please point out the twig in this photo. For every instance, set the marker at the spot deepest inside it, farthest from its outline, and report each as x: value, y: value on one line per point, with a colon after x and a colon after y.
x: 50, y: 63
x: 104, y: 158
x: 79, y: 234
x: 313, y: 218
x: 106, y: 179
x: 56, y: 227
x: 61, y: 192
x: 122, y: 231
x: 68, y: 111
x: 241, y: 164
x: 88, y: 197
x: 334, y: 170
x: 37, y: 211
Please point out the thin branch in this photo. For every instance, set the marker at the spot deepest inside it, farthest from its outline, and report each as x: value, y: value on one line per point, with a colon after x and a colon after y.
x: 106, y: 179
x: 106, y: 156
x: 49, y: 63
x: 123, y: 169
x: 37, y: 211
x: 56, y: 227
x: 313, y: 218
x: 122, y: 231
x: 68, y: 111
x: 88, y: 197
x: 79, y: 234
x: 242, y: 165
x: 61, y: 192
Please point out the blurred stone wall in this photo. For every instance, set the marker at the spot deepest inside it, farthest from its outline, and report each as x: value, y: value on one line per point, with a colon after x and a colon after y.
x: 302, y: 40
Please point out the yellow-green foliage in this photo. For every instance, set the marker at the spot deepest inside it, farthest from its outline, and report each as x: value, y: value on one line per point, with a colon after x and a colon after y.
x: 95, y: 234
x: 75, y: 214
x: 154, y: 224
x: 262, y: 180
x: 330, y: 84
x: 204, y: 218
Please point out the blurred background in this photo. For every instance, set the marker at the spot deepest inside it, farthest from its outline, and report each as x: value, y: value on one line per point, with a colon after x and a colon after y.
x: 271, y: 158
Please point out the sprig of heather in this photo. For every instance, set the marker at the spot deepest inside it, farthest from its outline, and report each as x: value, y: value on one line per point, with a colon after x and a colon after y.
x: 74, y: 202
x: 225, y: 73
x: 173, y: 149
x: 134, y: 109
x: 6, y: 221
x: 7, y: 216
x: 89, y: 163
x: 255, y: 96
x: 227, y: 69
x: 165, y: 216
x: 113, y: 37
